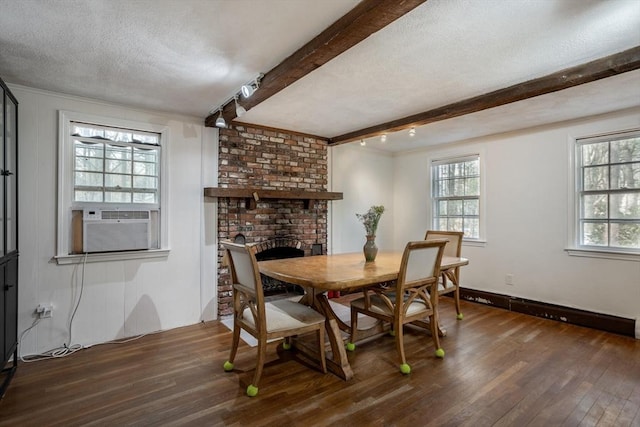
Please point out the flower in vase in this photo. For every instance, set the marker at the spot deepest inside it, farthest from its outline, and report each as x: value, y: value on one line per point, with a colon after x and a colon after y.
x: 371, y: 218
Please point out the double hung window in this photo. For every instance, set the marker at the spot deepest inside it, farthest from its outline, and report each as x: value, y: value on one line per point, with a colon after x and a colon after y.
x: 608, y: 193
x: 115, y: 165
x: 455, y: 191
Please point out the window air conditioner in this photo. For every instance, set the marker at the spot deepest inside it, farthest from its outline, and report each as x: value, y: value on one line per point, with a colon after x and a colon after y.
x: 115, y: 230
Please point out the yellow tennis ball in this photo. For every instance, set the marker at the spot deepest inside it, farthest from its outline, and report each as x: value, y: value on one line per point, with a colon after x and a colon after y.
x: 286, y: 346
x: 459, y: 316
x: 440, y: 353
x: 228, y: 366
x: 351, y: 346
x: 252, y: 390
x: 405, y: 368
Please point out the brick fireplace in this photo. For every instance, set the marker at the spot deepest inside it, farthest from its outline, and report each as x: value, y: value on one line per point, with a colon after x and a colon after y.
x: 251, y: 156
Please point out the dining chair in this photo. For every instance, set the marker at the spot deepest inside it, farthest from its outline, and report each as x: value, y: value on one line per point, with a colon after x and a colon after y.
x: 450, y: 282
x: 265, y: 321
x: 417, y: 284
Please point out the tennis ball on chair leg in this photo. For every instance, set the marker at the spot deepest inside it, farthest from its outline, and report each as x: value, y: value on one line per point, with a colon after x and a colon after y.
x: 252, y: 390
x: 405, y: 368
x: 228, y: 366
x: 440, y: 353
x: 459, y: 316
x: 286, y: 346
x: 351, y: 346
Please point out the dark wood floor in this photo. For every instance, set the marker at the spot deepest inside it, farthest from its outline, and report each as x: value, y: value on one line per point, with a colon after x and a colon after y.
x: 501, y: 368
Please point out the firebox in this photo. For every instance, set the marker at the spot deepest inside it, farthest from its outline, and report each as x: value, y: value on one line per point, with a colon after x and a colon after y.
x: 278, y: 248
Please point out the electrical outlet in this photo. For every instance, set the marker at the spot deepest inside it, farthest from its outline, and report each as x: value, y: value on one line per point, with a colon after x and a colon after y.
x: 508, y: 279
x: 44, y: 310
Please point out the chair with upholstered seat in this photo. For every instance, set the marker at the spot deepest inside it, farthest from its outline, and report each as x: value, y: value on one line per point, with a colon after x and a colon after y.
x: 417, y: 284
x: 450, y: 278
x: 265, y: 321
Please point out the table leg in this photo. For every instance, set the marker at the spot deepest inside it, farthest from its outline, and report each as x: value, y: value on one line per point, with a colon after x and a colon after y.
x: 338, y: 363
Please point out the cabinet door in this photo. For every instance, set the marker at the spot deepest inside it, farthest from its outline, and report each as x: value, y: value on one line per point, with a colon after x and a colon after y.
x: 10, y: 174
x: 3, y: 99
x: 3, y: 318
x: 11, y: 306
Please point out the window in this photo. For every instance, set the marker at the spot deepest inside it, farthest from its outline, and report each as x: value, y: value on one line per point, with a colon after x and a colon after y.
x: 607, y: 187
x: 114, y: 167
x: 455, y: 186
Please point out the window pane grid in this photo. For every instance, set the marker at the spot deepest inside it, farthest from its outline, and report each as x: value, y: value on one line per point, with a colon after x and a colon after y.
x: 456, y: 195
x: 609, y: 193
x: 110, y: 166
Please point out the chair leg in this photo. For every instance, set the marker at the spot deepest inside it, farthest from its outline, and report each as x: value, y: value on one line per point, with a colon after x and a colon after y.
x: 354, y: 328
x: 252, y: 390
x: 404, y: 366
x: 433, y: 322
x: 456, y: 297
x: 228, y: 365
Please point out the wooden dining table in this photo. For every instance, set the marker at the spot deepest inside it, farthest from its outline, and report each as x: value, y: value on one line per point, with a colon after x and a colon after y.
x: 342, y: 272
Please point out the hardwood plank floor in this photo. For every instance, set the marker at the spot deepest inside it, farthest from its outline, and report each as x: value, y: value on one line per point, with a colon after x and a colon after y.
x: 501, y: 369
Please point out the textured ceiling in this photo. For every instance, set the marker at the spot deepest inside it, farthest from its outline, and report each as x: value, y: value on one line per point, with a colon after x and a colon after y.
x: 190, y: 56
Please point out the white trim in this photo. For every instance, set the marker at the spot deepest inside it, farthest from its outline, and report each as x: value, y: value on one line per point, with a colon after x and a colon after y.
x: 594, y: 253
x: 64, y: 201
x: 209, y: 226
x: 111, y: 256
x: 637, y: 329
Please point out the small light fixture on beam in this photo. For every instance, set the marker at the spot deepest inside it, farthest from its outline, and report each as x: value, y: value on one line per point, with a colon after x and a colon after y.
x: 363, y: 142
x: 383, y: 138
x: 240, y: 110
x: 248, y: 89
x: 412, y: 132
x: 220, y: 122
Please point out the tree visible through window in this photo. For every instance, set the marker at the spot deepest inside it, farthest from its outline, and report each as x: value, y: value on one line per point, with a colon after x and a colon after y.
x: 456, y: 195
x: 609, y: 192
x: 115, y: 165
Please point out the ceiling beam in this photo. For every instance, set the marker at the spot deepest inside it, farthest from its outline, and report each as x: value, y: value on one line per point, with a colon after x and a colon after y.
x: 368, y: 17
x: 608, y: 66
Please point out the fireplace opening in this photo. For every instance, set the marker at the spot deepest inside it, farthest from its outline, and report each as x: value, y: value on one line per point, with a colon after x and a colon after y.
x: 279, y: 248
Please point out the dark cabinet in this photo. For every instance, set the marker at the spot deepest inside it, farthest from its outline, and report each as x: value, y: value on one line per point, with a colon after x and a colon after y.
x: 8, y: 235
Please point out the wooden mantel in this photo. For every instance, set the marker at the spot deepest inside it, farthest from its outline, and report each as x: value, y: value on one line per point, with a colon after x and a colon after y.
x: 253, y: 195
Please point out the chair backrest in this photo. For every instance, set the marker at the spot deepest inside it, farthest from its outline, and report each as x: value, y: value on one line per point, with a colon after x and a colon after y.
x: 454, y: 246
x: 420, y: 264
x: 245, y: 277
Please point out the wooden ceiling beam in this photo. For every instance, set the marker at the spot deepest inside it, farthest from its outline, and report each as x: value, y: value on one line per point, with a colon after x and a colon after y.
x: 368, y: 17
x: 618, y: 63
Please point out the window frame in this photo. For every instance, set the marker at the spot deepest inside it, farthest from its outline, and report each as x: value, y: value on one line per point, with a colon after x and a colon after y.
x: 453, y: 157
x: 66, y: 188
x: 574, y: 245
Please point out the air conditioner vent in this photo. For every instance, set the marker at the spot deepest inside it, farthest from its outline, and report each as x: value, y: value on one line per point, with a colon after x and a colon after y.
x: 125, y: 214
x: 115, y: 230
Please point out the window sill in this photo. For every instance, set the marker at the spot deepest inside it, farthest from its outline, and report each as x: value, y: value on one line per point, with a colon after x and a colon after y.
x: 474, y: 242
x: 592, y: 253
x: 111, y: 256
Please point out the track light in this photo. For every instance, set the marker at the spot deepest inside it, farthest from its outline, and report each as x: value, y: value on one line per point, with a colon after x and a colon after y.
x: 363, y: 142
x: 248, y: 89
x: 220, y: 122
x: 383, y: 137
x: 412, y: 132
x: 240, y: 110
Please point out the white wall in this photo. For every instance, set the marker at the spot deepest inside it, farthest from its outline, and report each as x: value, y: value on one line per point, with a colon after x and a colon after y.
x: 119, y: 298
x: 365, y: 178
x: 526, y: 208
